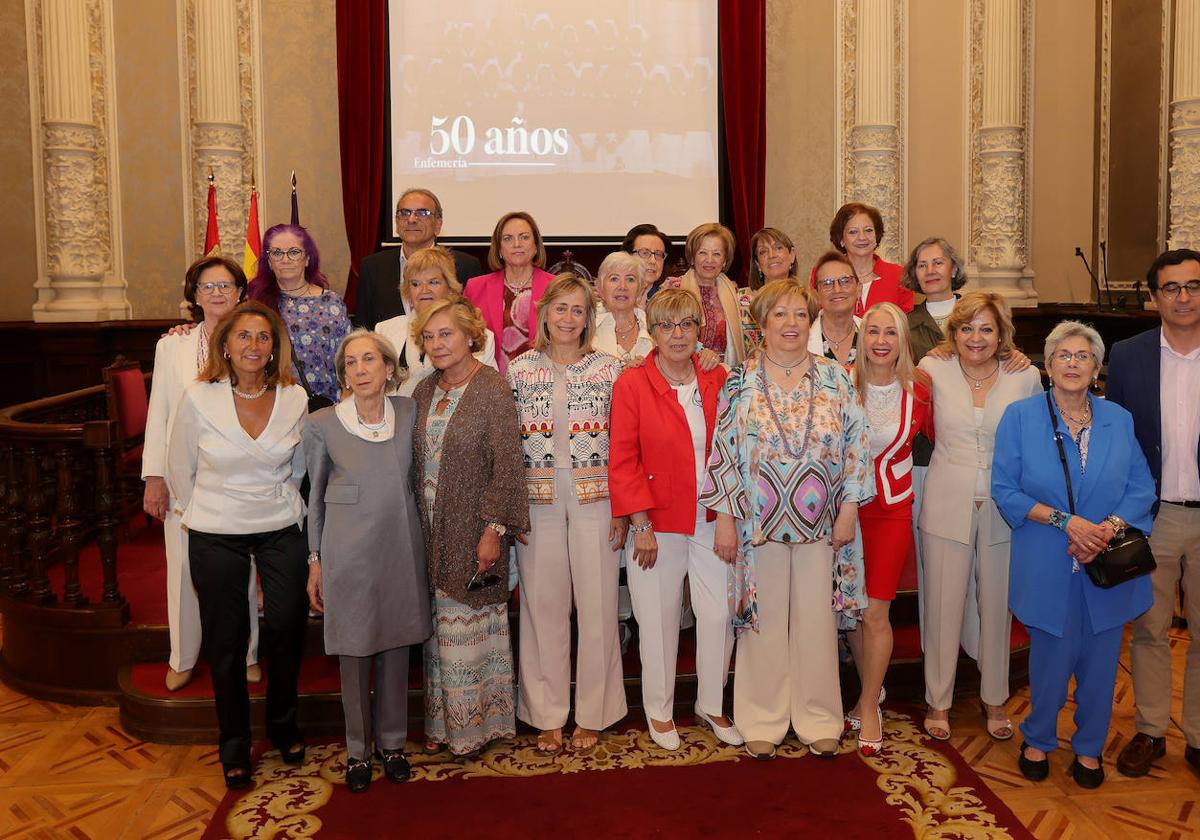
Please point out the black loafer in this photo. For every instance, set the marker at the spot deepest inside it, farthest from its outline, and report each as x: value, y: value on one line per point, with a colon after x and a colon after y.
x: 1087, y: 777
x: 358, y: 775
x: 395, y: 765
x: 1034, y: 771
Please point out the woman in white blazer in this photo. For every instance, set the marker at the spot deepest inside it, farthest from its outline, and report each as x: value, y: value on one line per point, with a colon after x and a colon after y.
x: 234, y: 464
x: 213, y: 286
x: 429, y: 275
x: 963, y: 536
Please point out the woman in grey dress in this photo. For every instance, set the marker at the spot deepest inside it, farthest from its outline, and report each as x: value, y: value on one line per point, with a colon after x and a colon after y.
x: 367, y: 570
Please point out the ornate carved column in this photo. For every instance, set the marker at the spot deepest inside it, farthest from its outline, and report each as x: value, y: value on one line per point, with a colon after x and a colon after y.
x: 1185, y: 128
x: 1000, y: 102
x: 872, y: 74
x: 218, y: 45
x: 80, y: 275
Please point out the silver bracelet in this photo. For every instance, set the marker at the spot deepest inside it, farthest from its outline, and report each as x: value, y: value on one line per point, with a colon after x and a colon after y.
x: 641, y: 529
x: 314, y: 558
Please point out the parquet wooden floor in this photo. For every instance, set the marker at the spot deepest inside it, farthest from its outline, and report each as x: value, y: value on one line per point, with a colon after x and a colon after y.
x: 71, y: 772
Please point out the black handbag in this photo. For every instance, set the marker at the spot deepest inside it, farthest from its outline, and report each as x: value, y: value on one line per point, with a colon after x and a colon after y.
x: 1127, y: 557
x: 315, y: 401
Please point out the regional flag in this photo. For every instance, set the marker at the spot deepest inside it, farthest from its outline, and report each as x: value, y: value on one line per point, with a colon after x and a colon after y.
x: 253, y: 240
x: 212, y: 241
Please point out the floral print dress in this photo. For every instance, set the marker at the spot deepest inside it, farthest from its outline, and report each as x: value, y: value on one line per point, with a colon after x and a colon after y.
x: 317, y: 324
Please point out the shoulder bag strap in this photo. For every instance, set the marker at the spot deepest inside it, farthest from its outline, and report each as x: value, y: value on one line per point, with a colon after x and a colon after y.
x: 1062, y: 453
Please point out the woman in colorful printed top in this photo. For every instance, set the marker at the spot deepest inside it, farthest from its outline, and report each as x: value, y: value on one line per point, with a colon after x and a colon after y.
x: 563, y: 389
x: 790, y: 428
x: 709, y: 253
x: 290, y: 281
x: 470, y: 478
x: 834, y: 334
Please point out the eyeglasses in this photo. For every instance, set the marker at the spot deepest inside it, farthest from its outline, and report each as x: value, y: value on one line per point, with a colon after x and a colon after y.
x: 648, y: 253
x: 687, y: 325
x: 482, y: 580
x: 1083, y: 356
x: 291, y: 254
x: 1172, y: 290
x: 420, y: 212
x: 828, y: 282
x: 213, y: 288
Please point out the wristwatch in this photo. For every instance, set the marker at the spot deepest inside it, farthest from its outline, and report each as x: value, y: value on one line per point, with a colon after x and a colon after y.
x: 1058, y: 519
x: 498, y: 528
x: 314, y: 558
x: 1118, y: 525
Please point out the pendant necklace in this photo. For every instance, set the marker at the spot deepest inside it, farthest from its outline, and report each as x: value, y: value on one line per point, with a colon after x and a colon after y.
x: 787, y: 369
x: 446, y: 388
x: 373, y: 428
x: 978, y: 383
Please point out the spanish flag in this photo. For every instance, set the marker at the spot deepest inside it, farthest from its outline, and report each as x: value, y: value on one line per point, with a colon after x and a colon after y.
x: 253, y: 248
x: 212, y: 241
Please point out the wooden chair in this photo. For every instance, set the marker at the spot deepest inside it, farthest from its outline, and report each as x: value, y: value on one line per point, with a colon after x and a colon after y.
x: 128, y: 404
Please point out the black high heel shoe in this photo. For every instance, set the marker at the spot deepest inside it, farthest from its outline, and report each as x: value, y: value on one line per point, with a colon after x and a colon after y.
x: 293, y: 754
x: 237, y: 776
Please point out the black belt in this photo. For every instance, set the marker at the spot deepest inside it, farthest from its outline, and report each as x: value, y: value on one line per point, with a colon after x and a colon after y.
x: 1182, y: 504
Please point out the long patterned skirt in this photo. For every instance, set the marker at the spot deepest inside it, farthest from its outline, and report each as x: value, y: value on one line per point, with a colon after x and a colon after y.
x: 469, y: 697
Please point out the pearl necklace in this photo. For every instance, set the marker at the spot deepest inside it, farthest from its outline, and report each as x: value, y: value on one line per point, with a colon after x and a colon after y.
x: 373, y: 428
x: 251, y: 396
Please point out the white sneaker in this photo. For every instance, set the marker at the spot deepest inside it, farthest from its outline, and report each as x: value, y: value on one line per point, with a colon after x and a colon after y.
x: 725, y: 734
x: 668, y: 741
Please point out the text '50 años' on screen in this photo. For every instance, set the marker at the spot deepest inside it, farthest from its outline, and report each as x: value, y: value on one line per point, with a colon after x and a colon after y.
x: 459, y: 136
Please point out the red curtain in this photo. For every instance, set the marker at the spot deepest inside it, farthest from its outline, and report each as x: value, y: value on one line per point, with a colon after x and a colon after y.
x: 743, y: 42
x: 362, y: 85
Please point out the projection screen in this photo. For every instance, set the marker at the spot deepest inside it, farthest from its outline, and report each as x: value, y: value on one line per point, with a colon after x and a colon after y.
x: 592, y: 116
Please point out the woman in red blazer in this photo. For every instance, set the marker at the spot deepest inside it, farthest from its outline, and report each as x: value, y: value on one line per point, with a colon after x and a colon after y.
x: 856, y: 231
x: 660, y: 435
x: 508, y: 296
x: 896, y: 398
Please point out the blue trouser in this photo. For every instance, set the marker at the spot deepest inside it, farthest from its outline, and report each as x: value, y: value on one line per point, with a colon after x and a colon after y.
x: 1092, y: 658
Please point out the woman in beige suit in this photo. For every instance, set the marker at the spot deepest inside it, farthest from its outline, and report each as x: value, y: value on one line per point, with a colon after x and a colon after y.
x: 963, y: 536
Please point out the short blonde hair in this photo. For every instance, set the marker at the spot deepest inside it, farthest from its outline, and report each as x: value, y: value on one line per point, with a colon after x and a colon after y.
x: 618, y: 262
x: 385, y: 349
x: 777, y: 290
x: 435, y: 257
x: 464, y: 315
x: 728, y: 242
x: 495, y: 260
x: 278, y: 370
x: 561, y: 285
x: 905, y: 370
x: 968, y: 308
x: 672, y: 305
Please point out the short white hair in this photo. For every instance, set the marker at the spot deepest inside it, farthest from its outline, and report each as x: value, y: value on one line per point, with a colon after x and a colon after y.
x: 1074, y: 329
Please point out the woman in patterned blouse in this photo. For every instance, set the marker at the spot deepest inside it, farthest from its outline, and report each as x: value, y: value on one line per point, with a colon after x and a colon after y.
x: 791, y: 463
x: 709, y: 253
x: 290, y: 281
x: 563, y: 389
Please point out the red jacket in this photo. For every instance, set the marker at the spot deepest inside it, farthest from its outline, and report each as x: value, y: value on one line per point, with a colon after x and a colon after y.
x: 886, y: 288
x: 893, y: 466
x: 650, y: 460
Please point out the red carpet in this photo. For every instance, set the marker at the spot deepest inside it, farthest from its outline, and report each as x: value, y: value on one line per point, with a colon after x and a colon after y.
x: 629, y: 788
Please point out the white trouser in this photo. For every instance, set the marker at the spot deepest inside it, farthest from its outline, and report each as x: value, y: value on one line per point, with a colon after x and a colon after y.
x: 183, y: 611
x: 657, y: 595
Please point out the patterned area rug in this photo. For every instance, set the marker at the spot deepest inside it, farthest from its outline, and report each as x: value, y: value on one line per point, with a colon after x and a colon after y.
x: 914, y: 788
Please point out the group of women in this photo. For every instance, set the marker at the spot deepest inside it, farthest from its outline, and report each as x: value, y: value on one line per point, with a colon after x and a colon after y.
x: 581, y: 425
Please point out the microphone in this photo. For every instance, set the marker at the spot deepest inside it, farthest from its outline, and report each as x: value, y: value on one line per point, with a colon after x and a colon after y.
x: 1104, y: 272
x: 1088, y: 268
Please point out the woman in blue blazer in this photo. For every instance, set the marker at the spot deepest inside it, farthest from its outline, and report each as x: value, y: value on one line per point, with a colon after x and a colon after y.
x: 1074, y: 626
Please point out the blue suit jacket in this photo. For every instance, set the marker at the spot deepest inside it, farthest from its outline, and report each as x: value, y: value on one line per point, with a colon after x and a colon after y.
x: 1027, y: 470
x: 1134, y: 382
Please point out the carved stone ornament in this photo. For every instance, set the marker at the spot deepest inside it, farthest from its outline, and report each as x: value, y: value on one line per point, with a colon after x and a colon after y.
x: 1185, y: 175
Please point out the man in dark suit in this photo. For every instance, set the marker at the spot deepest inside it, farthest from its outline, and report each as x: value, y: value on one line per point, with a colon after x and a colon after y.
x: 1156, y: 377
x: 418, y: 222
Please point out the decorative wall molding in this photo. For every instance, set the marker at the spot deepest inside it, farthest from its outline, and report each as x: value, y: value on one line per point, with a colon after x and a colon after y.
x: 76, y: 188
x: 218, y: 45
x: 1000, y: 62
x: 1104, y: 125
x: 1185, y: 128
x: 871, y: 132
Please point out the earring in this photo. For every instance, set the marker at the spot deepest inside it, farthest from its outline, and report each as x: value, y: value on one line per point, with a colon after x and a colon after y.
x: 271, y: 358
x: 226, y: 354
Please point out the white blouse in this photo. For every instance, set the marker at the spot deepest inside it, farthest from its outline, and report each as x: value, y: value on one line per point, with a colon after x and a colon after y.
x: 347, y: 415
x: 605, y: 337
x: 223, y: 481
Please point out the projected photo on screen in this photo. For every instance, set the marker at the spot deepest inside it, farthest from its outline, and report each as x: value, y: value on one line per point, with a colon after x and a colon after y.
x: 593, y: 117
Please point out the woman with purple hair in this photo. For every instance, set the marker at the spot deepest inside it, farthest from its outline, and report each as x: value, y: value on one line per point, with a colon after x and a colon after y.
x: 290, y: 281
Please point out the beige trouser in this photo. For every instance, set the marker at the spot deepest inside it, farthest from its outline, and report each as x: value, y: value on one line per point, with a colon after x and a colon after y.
x: 788, y: 670
x: 657, y: 595
x: 950, y: 569
x: 569, y: 554
x: 1175, y: 540
x: 183, y: 610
